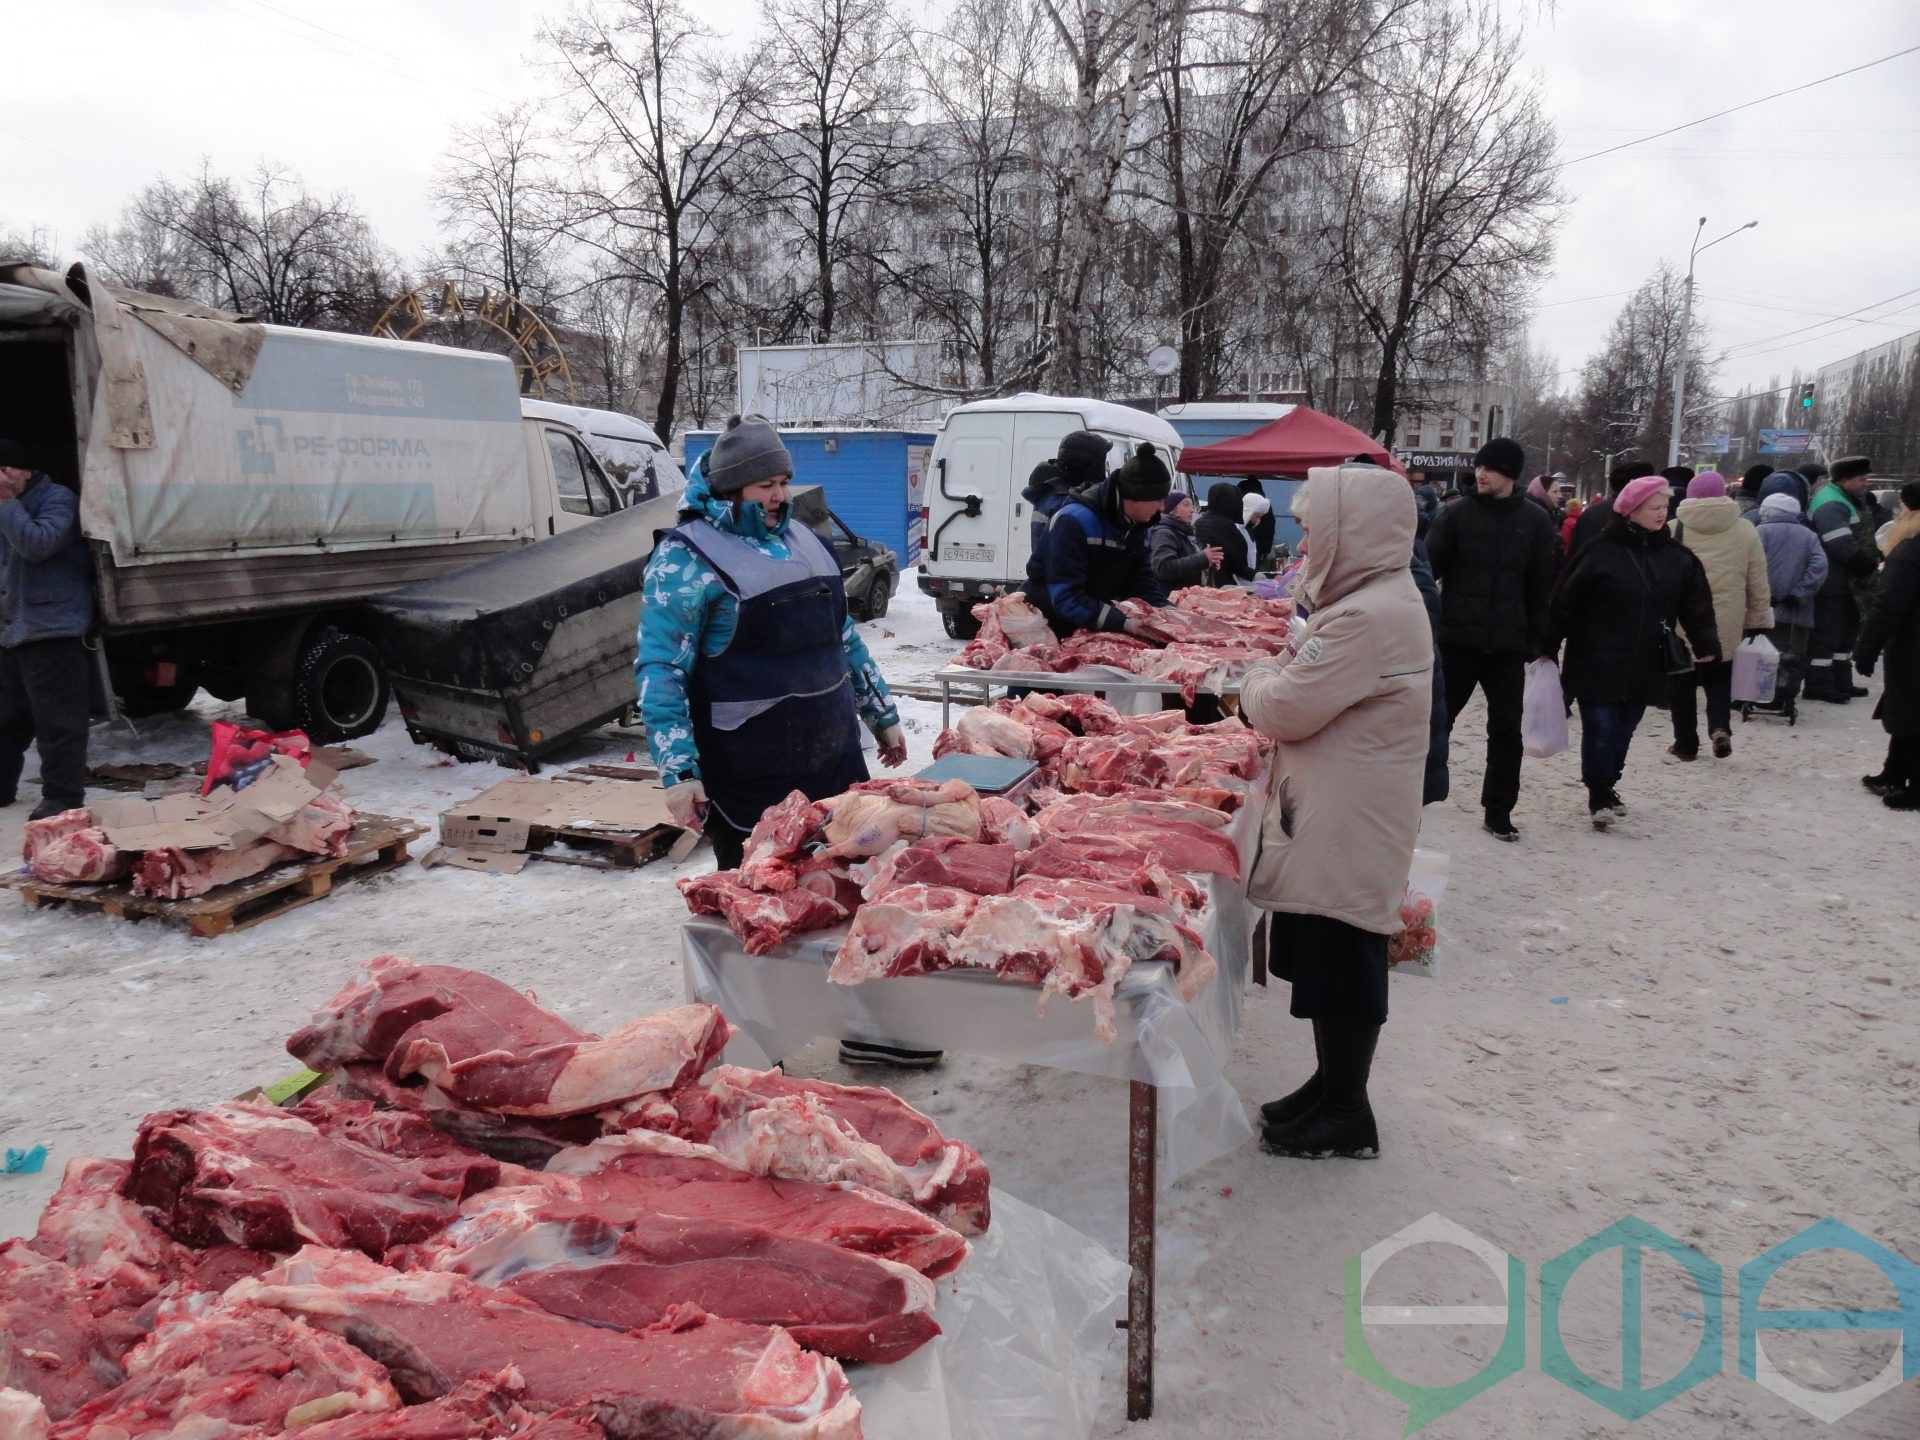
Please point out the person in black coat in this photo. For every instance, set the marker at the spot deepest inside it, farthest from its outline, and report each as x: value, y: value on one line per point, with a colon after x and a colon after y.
x: 1614, y: 608
x: 1891, y: 632
x: 1437, y: 783
x: 1494, y: 555
x: 1179, y: 560
x: 1079, y: 463
x: 1219, y: 527
x: 1594, y: 518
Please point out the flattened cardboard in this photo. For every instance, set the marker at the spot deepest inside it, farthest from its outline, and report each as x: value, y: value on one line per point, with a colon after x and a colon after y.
x: 504, y: 817
x: 497, y: 834
x: 223, y: 820
x: 491, y: 862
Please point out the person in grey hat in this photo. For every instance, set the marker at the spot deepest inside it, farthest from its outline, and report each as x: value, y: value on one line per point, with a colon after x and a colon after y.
x: 46, y: 609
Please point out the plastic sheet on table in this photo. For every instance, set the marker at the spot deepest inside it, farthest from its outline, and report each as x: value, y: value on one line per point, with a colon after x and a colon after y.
x: 784, y: 1001
x: 1027, y: 1347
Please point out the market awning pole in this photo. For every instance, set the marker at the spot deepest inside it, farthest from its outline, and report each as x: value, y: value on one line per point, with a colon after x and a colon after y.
x: 1142, y: 1135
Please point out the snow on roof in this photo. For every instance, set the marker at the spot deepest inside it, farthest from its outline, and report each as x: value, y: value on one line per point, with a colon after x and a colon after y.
x: 1225, y: 410
x: 1095, y: 414
x: 610, y: 423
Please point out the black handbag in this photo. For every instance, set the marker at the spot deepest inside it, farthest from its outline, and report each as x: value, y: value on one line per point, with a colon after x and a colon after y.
x: 1674, y: 651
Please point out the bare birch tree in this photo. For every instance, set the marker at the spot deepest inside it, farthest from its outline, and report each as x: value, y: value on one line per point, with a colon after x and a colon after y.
x: 661, y: 116
x: 499, y: 205
x: 1446, y: 194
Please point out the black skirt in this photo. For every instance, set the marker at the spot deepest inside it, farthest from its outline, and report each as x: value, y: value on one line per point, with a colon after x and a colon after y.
x: 1337, y: 972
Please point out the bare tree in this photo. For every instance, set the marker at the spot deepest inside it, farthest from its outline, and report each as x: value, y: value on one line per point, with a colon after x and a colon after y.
x: 1446, y: 194
x: 263, y: 245
x: 1243, y: 99
x: 35, y: 244
x: 829, y: 155
x: 985, y: 209
x: 499, y: 204
x: 659, y: 125
x: 1626, y: 387
x: 1108, y: 46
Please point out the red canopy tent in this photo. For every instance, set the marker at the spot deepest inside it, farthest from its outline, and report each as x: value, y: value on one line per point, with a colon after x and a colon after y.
x: 1291, y: 445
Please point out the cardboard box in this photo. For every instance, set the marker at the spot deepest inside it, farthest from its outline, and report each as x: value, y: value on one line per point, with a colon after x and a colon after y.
x: 224, y: 820
x: 524, y: 811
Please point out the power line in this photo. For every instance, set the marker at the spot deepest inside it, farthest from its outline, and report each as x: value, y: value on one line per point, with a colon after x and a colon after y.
x: 1820, y: 324
x: 1745, y: 105
x: 1721, y: 298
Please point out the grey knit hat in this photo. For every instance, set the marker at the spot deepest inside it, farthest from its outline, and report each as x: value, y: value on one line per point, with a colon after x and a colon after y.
x: 747, y: 451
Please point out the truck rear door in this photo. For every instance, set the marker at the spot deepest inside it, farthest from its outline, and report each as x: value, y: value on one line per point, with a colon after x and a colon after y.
x: 1036, y: 437
x: 975, y: 458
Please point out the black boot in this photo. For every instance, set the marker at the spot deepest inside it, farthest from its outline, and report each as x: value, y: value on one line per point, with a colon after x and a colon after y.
x: 1342, y: 1123
x: 1883, y: 783
x: 1291, y: 1107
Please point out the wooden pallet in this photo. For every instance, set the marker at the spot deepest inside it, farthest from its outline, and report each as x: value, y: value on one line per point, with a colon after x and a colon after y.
x: 606, y: 849
x: 376, y: 845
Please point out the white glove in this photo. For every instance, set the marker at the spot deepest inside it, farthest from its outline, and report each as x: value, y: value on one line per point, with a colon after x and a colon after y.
x: 687, y: 804
x: 893, y: 747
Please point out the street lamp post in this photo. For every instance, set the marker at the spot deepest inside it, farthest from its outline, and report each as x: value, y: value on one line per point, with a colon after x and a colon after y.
x: 1686, y: 329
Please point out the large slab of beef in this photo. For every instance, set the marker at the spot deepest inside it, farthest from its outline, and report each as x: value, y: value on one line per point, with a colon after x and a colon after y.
x: 490, y: 1047
x: 321, y: 828
x: 692, y: 1377
x: 478, y: 1410
x: 63, y: 1334
x: 511, y: 1139
x: 255, y: 1176
x: 232, y: 1369
x: 763, y: 920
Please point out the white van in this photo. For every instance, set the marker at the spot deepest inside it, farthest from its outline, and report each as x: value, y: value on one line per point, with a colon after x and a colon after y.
x: 626, y: 446
x: 977, y: 525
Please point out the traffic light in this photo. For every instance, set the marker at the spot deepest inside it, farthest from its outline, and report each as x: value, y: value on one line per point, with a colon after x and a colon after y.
x: 1806, y: 396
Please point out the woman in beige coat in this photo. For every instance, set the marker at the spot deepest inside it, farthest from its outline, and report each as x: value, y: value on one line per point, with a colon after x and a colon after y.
x: 1709, y: 524
x: 1350, y: 712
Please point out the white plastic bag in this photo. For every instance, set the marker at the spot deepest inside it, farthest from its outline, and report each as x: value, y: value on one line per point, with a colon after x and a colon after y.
x: 1756, y: 669
x: 1415, y: 948
x: 1543, y: 711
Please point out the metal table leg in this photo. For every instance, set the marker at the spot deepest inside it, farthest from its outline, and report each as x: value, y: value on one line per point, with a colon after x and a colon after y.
x: 1142, y: 1133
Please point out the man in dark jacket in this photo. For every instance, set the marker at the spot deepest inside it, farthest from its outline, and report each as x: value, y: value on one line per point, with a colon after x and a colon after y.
x: 1437, y: 783
x: 1748, y: 497
x: 1218, y: 527
x: 1080, y: 462
x: 1095, y: 553
x: 1594, y: 518
x: 1179, y: 560
x: 46, y: 609
x: 1846, y: 531
x: 1495, y: 556
x: 1892, y: 632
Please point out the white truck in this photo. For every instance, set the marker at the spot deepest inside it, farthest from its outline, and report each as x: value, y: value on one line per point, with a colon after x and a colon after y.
x: 977, y: 525
x: 244, y: 487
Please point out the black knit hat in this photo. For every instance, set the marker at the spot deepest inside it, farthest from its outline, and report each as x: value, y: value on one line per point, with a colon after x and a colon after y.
x: 1145, y: 475
x: 14, y: 456
x: 1082, y: 457
x: 1755, y: 474
x: 1910, y: 494
x: 1502, y: 455
x: 1851, y: 467
x: 1813, y: 470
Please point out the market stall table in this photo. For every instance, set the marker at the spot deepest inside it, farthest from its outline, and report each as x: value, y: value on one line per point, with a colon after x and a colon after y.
x: 1170, y: 1051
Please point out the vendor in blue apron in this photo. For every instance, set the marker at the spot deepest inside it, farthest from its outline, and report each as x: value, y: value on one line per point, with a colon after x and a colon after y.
x: 753, y: 681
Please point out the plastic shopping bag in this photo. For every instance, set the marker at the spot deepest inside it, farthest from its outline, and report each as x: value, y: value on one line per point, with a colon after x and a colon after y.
x: 1543, y: 711
x: 240, y: 755
x: 1756, y: 669
x: 1415, y: 948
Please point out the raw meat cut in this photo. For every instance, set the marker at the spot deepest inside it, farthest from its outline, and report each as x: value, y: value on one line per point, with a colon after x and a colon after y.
x: 1108, y: 764
x: 1122, y: 652
x: 22, y: 1416
x: 407, y: 1134
x: 1004, y: 823
x: 499, y: 1229
x: 969, y: 865
x: 1181, y: 836
x: 1028, y: 660
x: 511, y: 1139
x: 320, y: 829
x: 762, y: 921
x: 781, y: 834
x: 985, y: 731
x: 478, y: 1410
x: 1241, y: 608
x: 62, y: 1336
x: 1012, y: 619
x: 1141, y: 928
x: 838, y: 1302
x: 875, y: 814
x: 690, y: 1376
x: 485, y: 1045
x: 1109, y: 862
x: 252, y: 1368
x: 255, y: 1176
x: 782, y: 1125
x: 69, y: 849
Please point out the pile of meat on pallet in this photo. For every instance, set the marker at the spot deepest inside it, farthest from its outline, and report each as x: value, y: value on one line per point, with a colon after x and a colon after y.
x: 201, y: 842
x: 1090, y: 873
x: 489, y: 1223
x: 1204, y: 640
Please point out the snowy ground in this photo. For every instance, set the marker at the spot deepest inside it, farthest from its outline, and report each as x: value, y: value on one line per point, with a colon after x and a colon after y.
x: 1706, y: 1019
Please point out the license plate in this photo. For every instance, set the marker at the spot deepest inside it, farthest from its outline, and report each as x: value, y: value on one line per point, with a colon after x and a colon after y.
x: 972, y: 554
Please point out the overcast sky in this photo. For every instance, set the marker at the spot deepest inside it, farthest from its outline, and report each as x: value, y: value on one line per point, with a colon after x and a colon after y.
x: 360, y: 96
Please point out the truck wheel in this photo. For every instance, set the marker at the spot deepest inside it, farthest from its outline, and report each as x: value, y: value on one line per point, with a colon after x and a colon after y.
x: 340, y: 687
x: 959, y: 621
x: 138, y: 702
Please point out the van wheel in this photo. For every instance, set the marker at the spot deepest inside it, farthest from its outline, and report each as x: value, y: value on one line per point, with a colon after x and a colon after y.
x: 959, y: 621
x: 880, y: 597
x: 340, y: 688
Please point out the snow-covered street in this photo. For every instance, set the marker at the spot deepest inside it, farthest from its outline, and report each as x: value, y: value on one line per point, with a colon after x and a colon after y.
x: 1708, y: 1019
